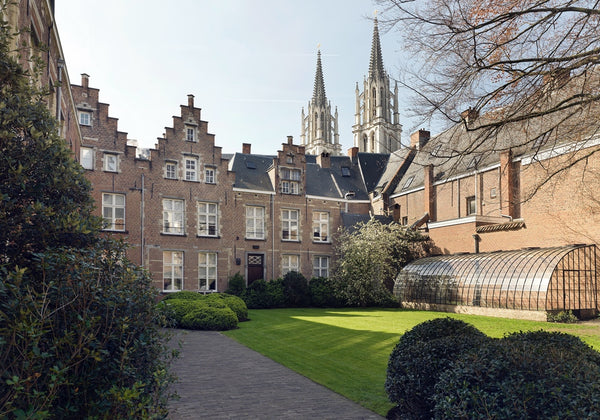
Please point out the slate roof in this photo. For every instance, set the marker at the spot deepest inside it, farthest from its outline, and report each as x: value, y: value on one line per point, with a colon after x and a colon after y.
x: 251, y: 171
x: 351, y: 220
x: 372, y: 166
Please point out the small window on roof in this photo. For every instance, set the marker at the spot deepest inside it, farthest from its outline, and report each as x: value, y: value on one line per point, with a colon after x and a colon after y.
x: 474, y: 162
x: 436, y: 151
x: 250, y: 165
x: 407, y: 183
x: 345, y: 171
x: 541, y: 140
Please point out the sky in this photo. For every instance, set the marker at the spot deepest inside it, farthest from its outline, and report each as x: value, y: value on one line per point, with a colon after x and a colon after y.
x: 249, y: 63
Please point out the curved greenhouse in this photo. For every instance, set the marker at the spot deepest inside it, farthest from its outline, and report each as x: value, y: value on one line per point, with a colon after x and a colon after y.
x: 533, y: 279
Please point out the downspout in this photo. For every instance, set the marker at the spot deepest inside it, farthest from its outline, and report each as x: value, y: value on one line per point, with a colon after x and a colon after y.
x: 272, y: 238
x: 60, y: 64
x: 142, y: 239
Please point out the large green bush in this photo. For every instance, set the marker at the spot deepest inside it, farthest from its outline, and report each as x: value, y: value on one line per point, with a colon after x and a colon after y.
x: 262, y: 294
x: 421, y: 355
x: 236, y: 304
x: 322, y: 293
x: 537, y: 376
x: 79, y: 334
x: 295, y: 290
x: 204, y: 317
x: 237, y: 285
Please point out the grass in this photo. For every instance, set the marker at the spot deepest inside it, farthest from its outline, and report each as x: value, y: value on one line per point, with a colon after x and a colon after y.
x: 347, y: 350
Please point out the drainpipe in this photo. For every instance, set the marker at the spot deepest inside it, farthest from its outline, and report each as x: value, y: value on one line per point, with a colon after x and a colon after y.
x: 142, y: 239
x: 272, y: 238
x: 60, y: 64
x: 477, y: 239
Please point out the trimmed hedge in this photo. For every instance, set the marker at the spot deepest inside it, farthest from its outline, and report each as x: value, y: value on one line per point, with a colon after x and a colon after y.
x: 421, y: 355
x: 209, y: 318
x: 524, y: 376
x: 262, y: 294
x: 445, y: 368
x: 322, y: 293
x: 217, y: 311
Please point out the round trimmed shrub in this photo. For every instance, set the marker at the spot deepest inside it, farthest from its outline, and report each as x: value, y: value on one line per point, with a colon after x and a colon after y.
x: 420, y: 356
x: 521, y: 377
x: 177, y: 309
x: 262, y: 295
x: 210, y: 318
x: 236, y: 304
x: 184, y: 294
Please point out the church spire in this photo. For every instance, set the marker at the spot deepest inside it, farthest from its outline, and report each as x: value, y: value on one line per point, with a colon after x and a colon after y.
x: 376, y: 70
x: 319, y: 97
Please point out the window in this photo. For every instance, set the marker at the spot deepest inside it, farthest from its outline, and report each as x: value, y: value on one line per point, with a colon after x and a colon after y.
x: 345, y: 171
x: 320, y: 266
x: 209, y: 175
x: 173, y: 216
x: 191, y: 169
x: 289, y: 225
x: 190, y: 133
x: 87, y: 157
x: 172, y: 271
x: 255, y: 222
x: 320, y: 226
x: 111, y: 162
x: 493, y: 193
x: 207, y: 219
x: 474, y: 162
x: 171, y: 170
x: 85, y: 118
x: 290, y: 178
x: 407, y: 183
x: 113, y: 211
x: 207, y: 271
x: 404, y: 220
x: 471, y: 208
x: 289, y: 263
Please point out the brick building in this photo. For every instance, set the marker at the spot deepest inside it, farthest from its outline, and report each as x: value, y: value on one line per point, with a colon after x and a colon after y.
x: 37, y: 47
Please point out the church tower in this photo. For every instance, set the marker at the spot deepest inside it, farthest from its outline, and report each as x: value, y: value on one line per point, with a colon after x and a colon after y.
x: 319, y: 127
x: 377, y: 128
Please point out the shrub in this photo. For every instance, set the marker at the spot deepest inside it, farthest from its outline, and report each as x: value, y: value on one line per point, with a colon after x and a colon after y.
x: 420, y: 356
x: 566, y: 317
x: 209, y: 318
x: 295, y: 290
x: 322, y: 293
x: 236, y: 304
x: 525, y: 376
x: 184, y: 294
x: 262, y: 295
x: 237, y: 285
x: 179, y: 308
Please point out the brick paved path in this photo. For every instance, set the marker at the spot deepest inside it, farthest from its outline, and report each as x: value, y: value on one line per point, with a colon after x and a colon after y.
x: 221, y: 379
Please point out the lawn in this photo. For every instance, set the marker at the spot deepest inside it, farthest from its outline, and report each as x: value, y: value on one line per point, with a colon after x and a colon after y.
x: 347, y: 350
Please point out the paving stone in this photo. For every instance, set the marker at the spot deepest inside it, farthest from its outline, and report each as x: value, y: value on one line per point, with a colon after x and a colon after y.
x: 222, y: 379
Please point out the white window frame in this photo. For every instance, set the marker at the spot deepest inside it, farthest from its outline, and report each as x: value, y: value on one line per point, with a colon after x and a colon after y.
x: 290, y: 180
x: 111, y: 162
x: 321, y: 226
x: 207, y: 271
x: 208, y: 220
x: 85, y: 118
x: 173, y: 271
x: 290, y: 219
x: 191, y: 169
x: 321, y: 266
x: 209, y: 175
x: 113, y: 211
x: 86, y: 157
x: 171, y: 170
x: 190, y: 133
x: 173, y: 216
x: 255, y: 222
x: 471, y: 205
x: 290, y: 262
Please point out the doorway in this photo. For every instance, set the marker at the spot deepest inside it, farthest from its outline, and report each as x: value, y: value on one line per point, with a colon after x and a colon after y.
x: 255, y: 267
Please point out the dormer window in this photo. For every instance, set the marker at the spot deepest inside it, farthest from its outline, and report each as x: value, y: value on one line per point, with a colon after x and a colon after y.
x: 190, y: 133
x: 345, y: 171
x: 474, y: 162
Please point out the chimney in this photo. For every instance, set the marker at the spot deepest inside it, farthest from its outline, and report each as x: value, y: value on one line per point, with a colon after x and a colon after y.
x: 419, y: 138
x: 290, y: 140
x: 191, y: 101
x: 324, y: 160
x: 469, y: 116
x: 507, y: 184
x: 429, y: 193
x: 246, y: 148
x: 85, y: 80
x: 353, y: 152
